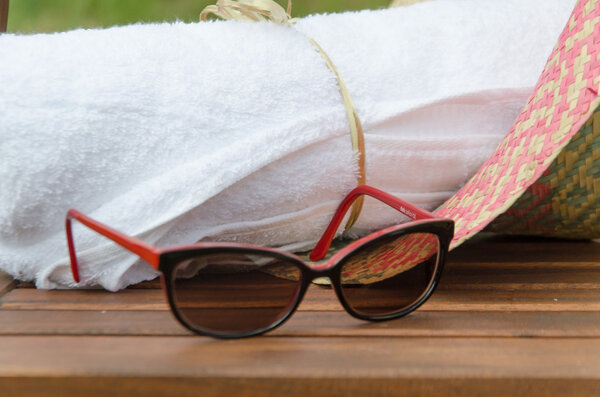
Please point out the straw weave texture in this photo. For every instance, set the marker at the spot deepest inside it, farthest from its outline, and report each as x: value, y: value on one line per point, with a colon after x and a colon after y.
x: 402, y: 3
x: 368, y: 266
x: 565, y: 97
x: 565, y: 201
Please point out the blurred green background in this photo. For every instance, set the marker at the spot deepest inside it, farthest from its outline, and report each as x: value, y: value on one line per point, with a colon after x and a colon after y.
x: 28, y: 16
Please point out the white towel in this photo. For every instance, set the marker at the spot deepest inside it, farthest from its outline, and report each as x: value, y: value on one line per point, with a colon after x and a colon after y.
x: 236, y: 131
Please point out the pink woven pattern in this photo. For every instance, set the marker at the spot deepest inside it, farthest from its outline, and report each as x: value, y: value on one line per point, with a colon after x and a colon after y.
x: 388, y: 260
x: 564, y: 98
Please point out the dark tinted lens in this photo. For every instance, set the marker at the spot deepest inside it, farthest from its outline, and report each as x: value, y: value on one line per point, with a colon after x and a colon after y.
x: 390, y: 274
x: 234, y: 293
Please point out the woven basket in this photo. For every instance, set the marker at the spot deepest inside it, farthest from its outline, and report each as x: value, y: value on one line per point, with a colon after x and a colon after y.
x: 565, y: 201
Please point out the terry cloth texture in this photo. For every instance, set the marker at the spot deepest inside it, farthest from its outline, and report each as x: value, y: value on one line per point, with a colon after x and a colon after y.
x: 236, y: 131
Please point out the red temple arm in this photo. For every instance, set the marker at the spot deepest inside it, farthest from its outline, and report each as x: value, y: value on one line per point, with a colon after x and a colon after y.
x: 407, y: 209
x: 144, y: 250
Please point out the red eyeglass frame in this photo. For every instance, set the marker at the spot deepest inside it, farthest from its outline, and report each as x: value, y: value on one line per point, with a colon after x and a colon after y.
x: 165, y: 259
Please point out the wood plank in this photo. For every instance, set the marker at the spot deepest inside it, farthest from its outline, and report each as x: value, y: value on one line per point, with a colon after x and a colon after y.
x: 6, y: 283
x: 511, y: 296
x: 583, y: 274
x: 368, y: 360
x: 301, y: 386
x: 491, y: 248
x: 420, y: 323
x: 82, y: 322
x: 92, y: 299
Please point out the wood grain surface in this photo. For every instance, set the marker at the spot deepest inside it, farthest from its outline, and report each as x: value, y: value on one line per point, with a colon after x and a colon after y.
x: 518, y: 317
x: 6, y: 283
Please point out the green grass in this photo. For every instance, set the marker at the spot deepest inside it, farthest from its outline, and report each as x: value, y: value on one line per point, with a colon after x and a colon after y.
x: 28, y: 16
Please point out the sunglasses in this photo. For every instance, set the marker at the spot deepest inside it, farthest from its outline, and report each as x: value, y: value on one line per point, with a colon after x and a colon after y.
x: 228, y: 290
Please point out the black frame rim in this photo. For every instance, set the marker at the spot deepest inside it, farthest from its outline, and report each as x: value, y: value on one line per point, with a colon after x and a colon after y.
x: 443, y: 229
x: 172, y: 259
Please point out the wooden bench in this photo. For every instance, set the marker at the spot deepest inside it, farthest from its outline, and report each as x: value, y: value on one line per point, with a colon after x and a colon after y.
x: 518, y: 317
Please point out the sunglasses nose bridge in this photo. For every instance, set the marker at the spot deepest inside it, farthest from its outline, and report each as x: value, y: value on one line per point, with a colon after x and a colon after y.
x: 326, y: 269
x: 331, y: 273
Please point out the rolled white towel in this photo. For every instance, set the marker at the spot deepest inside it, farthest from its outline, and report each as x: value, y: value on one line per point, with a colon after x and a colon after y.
x: 236, y: 131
